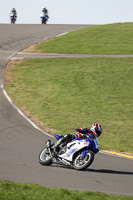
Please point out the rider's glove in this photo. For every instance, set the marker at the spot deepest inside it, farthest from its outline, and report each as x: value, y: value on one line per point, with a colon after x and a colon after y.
x: 84, y: 129
x: 79, y: 135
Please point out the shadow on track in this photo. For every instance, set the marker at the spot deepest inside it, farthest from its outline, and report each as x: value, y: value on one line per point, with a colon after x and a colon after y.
x: 102, y: 171
x: 108, y: 171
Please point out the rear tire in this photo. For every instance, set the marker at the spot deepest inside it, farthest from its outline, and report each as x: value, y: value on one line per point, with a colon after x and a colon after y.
x: 44, y: 157
x: 80, y: 163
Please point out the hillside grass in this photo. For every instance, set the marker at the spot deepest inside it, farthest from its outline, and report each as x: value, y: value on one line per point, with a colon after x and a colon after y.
x: 68, y: 93
x: 20, y: 191
x: 101, y: 39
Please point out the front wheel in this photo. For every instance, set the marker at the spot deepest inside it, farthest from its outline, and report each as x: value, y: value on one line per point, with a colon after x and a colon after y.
x: 81, y: 163
x: 45, y: 158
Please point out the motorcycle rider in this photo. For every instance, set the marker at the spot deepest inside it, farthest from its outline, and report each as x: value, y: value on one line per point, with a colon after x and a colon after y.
x: 81, y: 133
x: 13, y: 15
x: 45, y: 11
x: 13, y: 11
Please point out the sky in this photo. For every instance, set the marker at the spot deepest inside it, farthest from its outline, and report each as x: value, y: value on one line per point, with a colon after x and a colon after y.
x: 68, y: 11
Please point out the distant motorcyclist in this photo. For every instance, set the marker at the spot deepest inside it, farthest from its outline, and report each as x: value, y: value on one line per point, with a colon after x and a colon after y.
x: 45, y: 11
x: 81, y: 133
x: 13, y: 16
x: 13, y: 11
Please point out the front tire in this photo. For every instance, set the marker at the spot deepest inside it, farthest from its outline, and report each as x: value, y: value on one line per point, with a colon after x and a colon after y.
x: 44, y: 157
x: 80, y: 163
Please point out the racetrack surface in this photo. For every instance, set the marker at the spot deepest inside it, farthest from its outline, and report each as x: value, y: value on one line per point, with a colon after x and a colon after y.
x: 21, y: 143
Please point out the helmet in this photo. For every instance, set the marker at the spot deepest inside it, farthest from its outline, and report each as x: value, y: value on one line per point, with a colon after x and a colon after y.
x: 97, y: 129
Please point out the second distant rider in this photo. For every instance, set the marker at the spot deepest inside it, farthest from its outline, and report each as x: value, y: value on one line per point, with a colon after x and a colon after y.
x: 45, y: 11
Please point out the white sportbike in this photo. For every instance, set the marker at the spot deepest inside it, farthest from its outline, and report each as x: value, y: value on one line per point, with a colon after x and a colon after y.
x: 78, y: 153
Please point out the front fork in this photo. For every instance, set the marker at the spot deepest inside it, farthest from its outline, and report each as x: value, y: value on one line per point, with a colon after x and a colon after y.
x: 48, y: 145
x: 50, y: 152
x: 84, y: 153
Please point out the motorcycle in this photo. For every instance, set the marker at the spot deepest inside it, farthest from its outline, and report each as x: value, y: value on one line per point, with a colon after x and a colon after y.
x: 44, y: 18
x: 78, y: 153
x: 13, y: 18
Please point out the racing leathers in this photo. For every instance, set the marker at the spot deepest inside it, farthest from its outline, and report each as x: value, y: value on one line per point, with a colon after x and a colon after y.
x: 81, y: 133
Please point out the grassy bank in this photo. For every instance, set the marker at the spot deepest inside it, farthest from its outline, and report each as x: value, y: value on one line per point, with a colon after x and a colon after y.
x: 67, y: 93
x: 19, y: 191
x: 103, y: 39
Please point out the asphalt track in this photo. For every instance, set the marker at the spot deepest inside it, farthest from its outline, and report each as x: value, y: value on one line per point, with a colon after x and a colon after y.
x: 20, y: 142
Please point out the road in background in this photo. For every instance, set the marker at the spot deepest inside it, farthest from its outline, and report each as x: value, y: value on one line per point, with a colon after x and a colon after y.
x: 21, y: 143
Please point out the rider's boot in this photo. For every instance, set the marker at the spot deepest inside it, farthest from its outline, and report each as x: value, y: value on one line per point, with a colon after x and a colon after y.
x: 57, y: 144
x: 48, y: 143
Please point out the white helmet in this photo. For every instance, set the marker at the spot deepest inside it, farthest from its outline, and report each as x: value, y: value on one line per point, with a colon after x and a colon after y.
x: 97, y: 129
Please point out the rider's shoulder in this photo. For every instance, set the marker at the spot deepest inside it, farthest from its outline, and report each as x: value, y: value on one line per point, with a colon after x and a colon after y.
x: 91, y: 134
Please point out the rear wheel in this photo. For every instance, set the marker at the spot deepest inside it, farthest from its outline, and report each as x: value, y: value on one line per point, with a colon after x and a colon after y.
x: 13, y: 21
x: 45, y: 158
x: 81, y: 163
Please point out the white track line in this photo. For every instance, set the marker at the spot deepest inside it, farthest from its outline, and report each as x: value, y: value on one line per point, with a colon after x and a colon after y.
x: 21, y: 113
x: 13, y: 54
x: 61, y: 34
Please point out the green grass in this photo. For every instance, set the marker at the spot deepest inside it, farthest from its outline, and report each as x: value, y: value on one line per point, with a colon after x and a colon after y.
x: 101, y: 39
x: 67, y: 93
x: 19, y: 191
